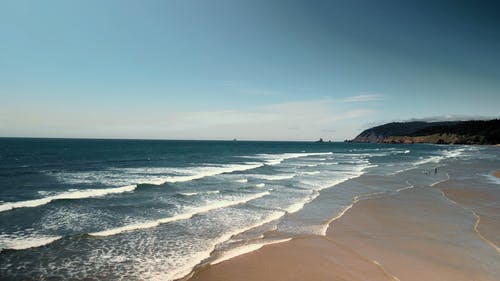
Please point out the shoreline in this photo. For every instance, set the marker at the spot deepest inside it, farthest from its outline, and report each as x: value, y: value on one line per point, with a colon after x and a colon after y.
x: 369, y: 240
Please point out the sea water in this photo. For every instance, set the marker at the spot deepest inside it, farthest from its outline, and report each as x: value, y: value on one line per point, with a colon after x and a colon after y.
x: 155, y: 210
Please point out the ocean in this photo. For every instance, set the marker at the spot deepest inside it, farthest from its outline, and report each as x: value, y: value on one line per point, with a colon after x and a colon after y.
x: 84, y: 209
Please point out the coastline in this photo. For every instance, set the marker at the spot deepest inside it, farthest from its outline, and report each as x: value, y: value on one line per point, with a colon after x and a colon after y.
x: 415, y: 234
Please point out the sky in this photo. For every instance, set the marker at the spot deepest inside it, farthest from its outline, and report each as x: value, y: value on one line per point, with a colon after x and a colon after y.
x: 251, y: 70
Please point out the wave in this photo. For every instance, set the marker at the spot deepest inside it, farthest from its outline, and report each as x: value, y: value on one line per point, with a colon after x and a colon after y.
x: 453, y: 153
x: 197, y: 193
x: 445, y: 154
x: 196, y: 173
x: 260, y: 185
x: 320, y: 183
x: 300, y: 205
x: 242, y: 180
x: 273, y: 177
x: 182, y: 216
x: 150, y: 175
x: 21, y: 243
x: 441, y: 181
x: 432, y: 159
x: 187, y: 174
x: 409, y: 186
x: 395, y: 152
x: 188, y: 193
x: 71, y: 194
x: 245, y: 250
x: 339, y: 215
x: 202, y: 172
x: 201, y: 256
x: 310, y: 173
x: 274, y: 159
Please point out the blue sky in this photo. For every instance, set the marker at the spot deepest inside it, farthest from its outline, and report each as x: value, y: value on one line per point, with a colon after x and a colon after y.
x: 269, y: 70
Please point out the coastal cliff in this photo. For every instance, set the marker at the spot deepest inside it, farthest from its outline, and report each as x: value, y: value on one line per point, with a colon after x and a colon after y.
x: 452, y: 132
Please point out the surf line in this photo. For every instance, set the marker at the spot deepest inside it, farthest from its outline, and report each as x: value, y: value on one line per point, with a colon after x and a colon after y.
x: 100, y: 192
x: 182, y: 216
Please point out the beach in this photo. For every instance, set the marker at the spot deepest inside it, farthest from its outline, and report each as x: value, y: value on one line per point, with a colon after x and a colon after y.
x: 248, y: 211
x: 444, y: 231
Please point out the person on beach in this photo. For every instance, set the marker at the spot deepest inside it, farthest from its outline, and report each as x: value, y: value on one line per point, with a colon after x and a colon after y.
x: 435, y: 170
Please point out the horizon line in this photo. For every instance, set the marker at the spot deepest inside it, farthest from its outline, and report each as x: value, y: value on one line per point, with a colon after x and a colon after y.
x: 159, y: 139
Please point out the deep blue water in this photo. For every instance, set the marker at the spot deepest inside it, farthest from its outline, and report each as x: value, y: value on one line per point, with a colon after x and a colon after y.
x: 152, y: 210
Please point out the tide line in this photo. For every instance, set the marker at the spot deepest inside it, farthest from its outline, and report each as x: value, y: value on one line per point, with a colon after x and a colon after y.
x: 476, y: 224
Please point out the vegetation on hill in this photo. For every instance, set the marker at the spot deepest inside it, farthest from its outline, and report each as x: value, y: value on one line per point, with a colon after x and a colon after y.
x: 453, y: 132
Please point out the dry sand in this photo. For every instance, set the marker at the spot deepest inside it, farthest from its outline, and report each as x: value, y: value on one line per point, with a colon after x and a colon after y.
x: 417, y: 234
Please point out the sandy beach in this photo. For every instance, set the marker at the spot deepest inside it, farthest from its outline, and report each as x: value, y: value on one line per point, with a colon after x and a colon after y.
x: 442, y: 232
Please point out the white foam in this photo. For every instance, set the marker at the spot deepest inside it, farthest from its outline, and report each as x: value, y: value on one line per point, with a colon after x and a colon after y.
x: 310, y: 173
x: 400, y: 152
x: 400, y: 171
x: 454, y: 153
x: 189, y: 193
x: 182, y: 216
x: 274, y: 159
x: 432, y: 159
x: 71, y: 194
x: 441, y: 181
x: 260, y: 185
x: 321, y: 183
x: 245, y: 250
x: 405, y: 188
x: 151, y: 175
x: 273, y: 177
x: 327, y: 225
x: 295, y: 207
x: 185, y: 269
x: 202, y: 172
x: 26, y: 242
x: 242, y: 180
x: 438, y: 158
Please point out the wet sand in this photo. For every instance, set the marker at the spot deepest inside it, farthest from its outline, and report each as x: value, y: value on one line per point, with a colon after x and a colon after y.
x: 312, y: 258
x: 424, y: 233
x: 484, y: 206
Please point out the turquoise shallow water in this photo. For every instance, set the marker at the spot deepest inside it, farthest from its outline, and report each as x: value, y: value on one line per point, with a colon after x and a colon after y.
x: 153, y: 210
